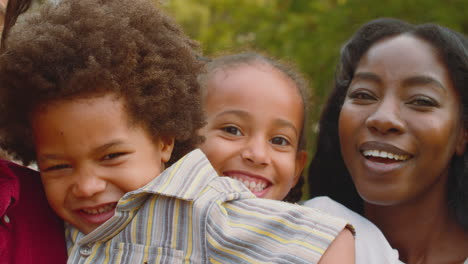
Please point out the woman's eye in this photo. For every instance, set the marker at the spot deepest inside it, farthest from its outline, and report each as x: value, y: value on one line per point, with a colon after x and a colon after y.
x: 232, y: 130
x: 57, y: 167
x: 423, y: 101
x: 280, y: 141
x: 112, y: 156
x: 360, y: 95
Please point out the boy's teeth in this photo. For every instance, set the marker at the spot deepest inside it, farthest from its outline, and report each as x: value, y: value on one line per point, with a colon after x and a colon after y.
x: 99, y: 210
x: 384, y: 154
x: 252, y: 185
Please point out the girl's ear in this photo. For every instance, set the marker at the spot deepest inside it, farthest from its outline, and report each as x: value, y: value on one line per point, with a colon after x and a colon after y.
x: 166, y: 145
x: 462, y: 141
x: 301, y: 159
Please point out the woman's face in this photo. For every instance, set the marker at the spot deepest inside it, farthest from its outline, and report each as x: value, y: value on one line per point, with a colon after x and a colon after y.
x: 400, y: 123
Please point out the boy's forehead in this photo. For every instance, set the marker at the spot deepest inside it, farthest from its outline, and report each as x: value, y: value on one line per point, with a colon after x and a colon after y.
x: 72, y: 109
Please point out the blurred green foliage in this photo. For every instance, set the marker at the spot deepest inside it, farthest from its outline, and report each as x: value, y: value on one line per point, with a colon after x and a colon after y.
x: 308, y: 33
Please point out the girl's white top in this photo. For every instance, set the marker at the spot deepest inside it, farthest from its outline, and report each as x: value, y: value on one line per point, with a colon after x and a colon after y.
x: 371, y: 245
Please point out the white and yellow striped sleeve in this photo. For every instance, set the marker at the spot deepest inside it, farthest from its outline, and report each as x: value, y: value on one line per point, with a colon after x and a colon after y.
x: 267, y: 231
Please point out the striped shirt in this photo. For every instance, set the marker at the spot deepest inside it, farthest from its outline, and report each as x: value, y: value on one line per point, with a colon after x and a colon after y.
x: 190, y: 215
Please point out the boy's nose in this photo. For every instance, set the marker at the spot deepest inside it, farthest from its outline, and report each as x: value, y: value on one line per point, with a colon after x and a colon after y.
x: 256, y: 152
x: 386, y: 118
x: 88, y: 185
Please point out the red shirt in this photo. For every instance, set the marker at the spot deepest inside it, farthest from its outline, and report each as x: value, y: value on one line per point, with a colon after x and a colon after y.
x: 30, y: 232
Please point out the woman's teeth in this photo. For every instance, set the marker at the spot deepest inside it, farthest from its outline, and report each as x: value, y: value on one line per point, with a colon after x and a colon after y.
x: 252, y: 185
x: 100, y: 210
x: 384, y: 154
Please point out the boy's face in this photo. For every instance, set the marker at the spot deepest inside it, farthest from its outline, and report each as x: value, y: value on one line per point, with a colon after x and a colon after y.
x: 90, y: 156
x: 254, y: 120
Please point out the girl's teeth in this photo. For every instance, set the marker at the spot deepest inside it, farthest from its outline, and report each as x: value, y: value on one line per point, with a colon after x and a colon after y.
x: 384, y: 154
x: 252, y: 185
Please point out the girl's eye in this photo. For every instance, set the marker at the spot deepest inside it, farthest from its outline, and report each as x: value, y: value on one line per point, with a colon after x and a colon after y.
x: 232, y: 130
x: 280, y: 141
x: 112, y: 156
x: 423, y: 101
x: 57, y: 167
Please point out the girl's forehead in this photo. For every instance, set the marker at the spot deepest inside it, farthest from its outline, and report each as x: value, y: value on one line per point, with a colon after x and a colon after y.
x: 248, y: 73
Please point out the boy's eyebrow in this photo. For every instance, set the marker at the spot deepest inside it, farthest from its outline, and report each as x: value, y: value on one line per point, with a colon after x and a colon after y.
x: 95, y: 150
x: 50, y: 157
x: 107, y: 145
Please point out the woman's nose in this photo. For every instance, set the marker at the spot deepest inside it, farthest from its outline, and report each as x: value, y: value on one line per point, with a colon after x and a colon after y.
x: 386, y: 118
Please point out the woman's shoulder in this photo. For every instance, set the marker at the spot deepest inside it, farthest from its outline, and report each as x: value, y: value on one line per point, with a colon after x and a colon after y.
x: 371, y: 244
x: 332, y: 207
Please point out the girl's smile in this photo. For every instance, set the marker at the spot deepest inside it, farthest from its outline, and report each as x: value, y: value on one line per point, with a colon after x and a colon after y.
x: 257, y: 184
x: 254, y: 120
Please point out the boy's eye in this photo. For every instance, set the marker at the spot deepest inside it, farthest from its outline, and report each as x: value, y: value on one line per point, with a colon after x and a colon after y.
x: 280, y: 141
x: 112, y: 156
x: 232, y: 130
x: 57, y: 167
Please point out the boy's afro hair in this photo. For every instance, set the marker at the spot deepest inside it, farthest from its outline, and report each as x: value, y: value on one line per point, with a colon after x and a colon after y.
x: 88, y: 48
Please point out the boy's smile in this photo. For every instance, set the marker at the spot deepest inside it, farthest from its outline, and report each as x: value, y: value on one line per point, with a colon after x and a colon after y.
x: 254, y: 119
x: 90, y: 155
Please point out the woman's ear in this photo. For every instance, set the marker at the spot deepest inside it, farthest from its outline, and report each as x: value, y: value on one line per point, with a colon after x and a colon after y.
x: 166, y: 145
x: 301, y: 159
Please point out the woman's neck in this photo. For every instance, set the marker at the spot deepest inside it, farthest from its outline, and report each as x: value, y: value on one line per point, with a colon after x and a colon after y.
x: 423, y: 231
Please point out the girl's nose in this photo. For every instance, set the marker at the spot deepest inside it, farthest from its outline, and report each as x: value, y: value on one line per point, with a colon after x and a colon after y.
x: 386, y: 118
x: 256, y: 152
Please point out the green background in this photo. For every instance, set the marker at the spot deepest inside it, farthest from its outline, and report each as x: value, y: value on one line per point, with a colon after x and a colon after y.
x: 307, y: 33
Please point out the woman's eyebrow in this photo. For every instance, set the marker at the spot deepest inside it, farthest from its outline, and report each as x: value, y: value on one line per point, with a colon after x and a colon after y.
x: 423, y: 80
x: 367, y: 76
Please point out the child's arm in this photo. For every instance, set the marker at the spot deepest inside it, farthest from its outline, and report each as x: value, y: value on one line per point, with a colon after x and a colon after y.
x: 342, y: 250
x: 267, y: 231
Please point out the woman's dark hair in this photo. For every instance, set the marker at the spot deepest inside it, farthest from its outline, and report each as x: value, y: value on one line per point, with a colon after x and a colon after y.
x: 88, y: 48
x: 328, y: 174
x: 253, y: 58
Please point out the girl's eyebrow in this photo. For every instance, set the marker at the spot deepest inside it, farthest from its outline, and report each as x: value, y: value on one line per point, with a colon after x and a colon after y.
x: 285, y: 123
x: 243, y: 114
x: 240, y: 113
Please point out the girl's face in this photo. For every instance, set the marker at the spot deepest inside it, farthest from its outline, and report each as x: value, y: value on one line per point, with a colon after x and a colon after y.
x: 400, y: 123
x: 89, y: 157
x: 254, y: 120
